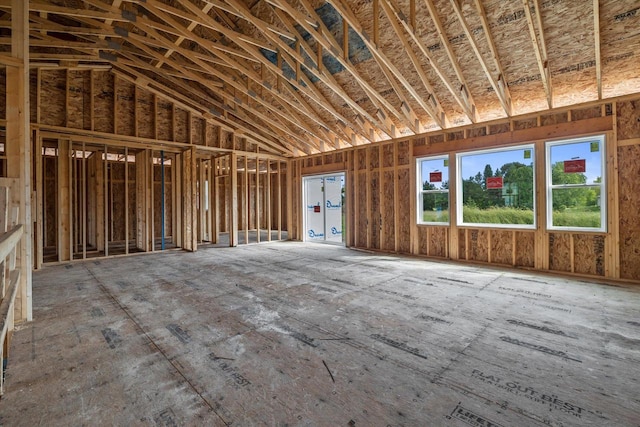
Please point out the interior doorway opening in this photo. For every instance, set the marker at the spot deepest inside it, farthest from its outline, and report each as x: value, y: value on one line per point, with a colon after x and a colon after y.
x: 324, y: 212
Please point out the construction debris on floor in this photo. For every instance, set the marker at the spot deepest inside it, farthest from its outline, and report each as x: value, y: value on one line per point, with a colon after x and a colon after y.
x: 301, y: 334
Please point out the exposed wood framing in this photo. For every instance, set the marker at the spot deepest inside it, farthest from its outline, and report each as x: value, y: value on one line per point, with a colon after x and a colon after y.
x: 539, y: 46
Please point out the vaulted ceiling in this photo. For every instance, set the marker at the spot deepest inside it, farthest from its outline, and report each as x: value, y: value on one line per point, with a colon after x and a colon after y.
x: 314, y: 75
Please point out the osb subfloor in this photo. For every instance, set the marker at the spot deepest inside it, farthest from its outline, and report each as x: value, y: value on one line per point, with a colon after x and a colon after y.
x: 314, y: 335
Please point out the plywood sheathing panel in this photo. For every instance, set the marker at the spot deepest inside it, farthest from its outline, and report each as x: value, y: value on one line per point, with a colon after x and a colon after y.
x: 54, y: 91
x: 501, y: 246
x: 125, y: 99
x: 3, y: 94
x: 165, y: 120
x: 197, y: 131
x: 375, y: 224
x: 508, y: 24
x: 620, y: 46
x: 586, y: 113
x: 50, y: 206
x: 79, y: 107
x: 589, y: 254
x: 182, y: 125
x: 525, y: 124
x: 404, y: 211
x: 103, y: 101
x: 387, y: 155
x: 476, y: 132
x: 462, y: 243
x: 133, y: 232
x: 525, y: 249
x: 479, y: 245
x: 419, y: 141
x: 328, y: 159
x: 374, y: 157
x: 33, y: 94
x: 560, y: 252
x: 438, y: 242
x: 157, y: 201
x: 499, y: 128
x: 429, y: 37
x: 362, y: 159
x: 117, y: 188
x: 423, y: 235
x: 393, y: 48
x: 145, y: 114
x: 628, y: 120
x: 571, y: 53
x: 629, y: 171
x: 388, y: 214
x: 404, y: 153
x: 436, y: 139
x: 362, y: 214
x: 553, y: 119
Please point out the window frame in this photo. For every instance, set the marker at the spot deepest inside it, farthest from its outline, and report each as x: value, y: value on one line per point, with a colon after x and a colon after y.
x: 459, y: 188
x: 419, y: 182
x: 601, y: 138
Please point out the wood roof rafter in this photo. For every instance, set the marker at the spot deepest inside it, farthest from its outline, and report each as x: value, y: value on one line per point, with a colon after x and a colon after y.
x: 504, y: 100
x: 539, y: 47
x: 226, y: 79
x: 503, y: 87
x: 469, y: 103
x: 435, y: 111
x: 424, y: 50
x: 248, y: 48
x: 389, y: 70
x: 596, y: 34
x: 322, y: 35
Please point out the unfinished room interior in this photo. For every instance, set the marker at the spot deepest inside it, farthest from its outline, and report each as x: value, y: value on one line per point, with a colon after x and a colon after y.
x: 320, y: 212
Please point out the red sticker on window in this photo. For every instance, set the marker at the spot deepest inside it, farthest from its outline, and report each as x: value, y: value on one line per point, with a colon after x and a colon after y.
x: 575, y: 166
x: 316, y: 209
x: 435, y: 177
x: 494, y: 182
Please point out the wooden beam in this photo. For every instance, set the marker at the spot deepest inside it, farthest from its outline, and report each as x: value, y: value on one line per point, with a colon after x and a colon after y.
x: 424, y: 50
x: 539, y: 47
x: 18, y: 146
x: 64, y: 201
x: 596, y: 34
x: 233, y: 216
x: 435, y: 110
x: 505, y: 100
x: 467, y: 98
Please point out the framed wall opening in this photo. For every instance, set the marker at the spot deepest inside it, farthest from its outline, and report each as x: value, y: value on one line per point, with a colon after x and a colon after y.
x: 324, y: 212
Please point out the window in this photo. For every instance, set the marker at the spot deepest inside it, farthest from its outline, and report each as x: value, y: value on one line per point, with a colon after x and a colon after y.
x: 575, y: 184
x: 496, y: 187
x: 433, y: 190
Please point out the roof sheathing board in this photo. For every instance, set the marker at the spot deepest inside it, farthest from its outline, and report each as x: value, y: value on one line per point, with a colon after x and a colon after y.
x: 571, y: 51
x: 427, y: 34
x: 620, y: 46
x: 508, y: 25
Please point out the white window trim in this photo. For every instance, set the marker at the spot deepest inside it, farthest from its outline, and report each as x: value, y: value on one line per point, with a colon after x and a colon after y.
x: 603, y: 185
x: 459, y: 188
x: 420, y: 192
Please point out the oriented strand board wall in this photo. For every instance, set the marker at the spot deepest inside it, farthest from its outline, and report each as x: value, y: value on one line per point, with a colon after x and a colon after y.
x: 525, y: 248
x: 502, y: 246
x: 377, y: 226
x: 103, y: 101
x: 629, y: 170
x: 560, y: 251
x: 145, y: 117
x: 125, y: 107
x: 53, y: 111
x: 79, y: 106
